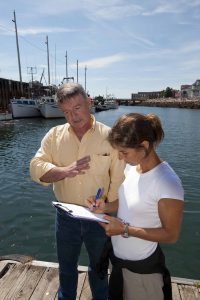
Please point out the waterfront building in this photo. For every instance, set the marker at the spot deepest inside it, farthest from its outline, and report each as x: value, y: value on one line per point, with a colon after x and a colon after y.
x: 191, y: 91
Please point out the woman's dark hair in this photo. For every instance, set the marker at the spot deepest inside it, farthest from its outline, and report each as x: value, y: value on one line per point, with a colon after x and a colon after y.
x: 132, y: 129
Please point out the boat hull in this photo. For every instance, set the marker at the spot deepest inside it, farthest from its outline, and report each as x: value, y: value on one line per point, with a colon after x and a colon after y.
x: 50, y: 111
x: 25, y: 108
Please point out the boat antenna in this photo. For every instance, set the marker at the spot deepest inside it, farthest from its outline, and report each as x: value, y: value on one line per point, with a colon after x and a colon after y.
x: 47, y: 43
x: 77, y: 71
x: 85, y: 76
x: 66, y: 65
x: 18, y: 55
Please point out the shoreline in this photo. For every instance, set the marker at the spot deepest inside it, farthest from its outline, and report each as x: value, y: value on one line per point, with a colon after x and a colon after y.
x: 171, y: 102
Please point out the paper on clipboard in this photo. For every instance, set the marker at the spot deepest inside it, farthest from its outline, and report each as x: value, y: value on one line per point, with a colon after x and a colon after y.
x: 80, y: 212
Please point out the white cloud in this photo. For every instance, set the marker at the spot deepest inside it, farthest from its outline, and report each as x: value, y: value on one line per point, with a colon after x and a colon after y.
x: 191, y: 47
x: 102, y: 62
x: 114, y: 12
x: 35, y: 30
x: 38, y: 30
x: 164, y: 8
x: 191, y: 64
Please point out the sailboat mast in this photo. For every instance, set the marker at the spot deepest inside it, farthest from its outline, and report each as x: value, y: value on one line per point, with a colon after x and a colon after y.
x: 18, y: 55
x: 85, y: 76
x: 47, y: 43
x: 66, y: 66
x: 77, y: 71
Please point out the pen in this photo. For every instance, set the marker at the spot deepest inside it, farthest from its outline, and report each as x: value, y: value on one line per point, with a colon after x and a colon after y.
x: 97, y: 196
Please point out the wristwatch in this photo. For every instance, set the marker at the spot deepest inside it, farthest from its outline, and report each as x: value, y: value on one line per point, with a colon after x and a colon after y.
x: 125, y: 233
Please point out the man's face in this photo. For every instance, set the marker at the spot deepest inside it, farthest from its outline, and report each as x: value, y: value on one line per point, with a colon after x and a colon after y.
x: 76, y: 111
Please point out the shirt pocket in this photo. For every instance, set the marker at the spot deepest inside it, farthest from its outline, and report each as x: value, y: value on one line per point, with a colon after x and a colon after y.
x: 100, y: 164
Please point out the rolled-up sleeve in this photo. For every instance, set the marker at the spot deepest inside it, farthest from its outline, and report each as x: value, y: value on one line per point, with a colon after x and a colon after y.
x: 41, y: 163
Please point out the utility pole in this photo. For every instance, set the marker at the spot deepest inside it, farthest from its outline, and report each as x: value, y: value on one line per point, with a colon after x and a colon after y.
x: 77, y: 71
x: 66, y: 65
x: 85, y: 77
x: 18, y: 55
x: 47, y: 43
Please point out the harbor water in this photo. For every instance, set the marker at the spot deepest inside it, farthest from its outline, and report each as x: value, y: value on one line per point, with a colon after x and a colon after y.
x: 27, y: 216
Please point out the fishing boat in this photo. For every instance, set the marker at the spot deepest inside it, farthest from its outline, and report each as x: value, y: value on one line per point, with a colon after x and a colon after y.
x: 49, y: 108
x: 111, y: 103
x: 24, y: 108
x: 101, y: 107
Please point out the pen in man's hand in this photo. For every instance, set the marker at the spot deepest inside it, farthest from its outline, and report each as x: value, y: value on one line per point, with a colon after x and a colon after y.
x: 97, y: 196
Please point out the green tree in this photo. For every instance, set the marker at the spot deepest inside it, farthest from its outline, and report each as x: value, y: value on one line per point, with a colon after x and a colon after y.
x: 169, y: 92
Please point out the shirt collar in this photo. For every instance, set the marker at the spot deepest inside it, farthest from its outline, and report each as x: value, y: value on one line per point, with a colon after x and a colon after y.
x: 93, y: 122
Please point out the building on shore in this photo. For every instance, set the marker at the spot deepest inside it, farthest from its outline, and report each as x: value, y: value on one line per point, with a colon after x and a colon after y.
x: 146, y: 95
x: 191, y: 91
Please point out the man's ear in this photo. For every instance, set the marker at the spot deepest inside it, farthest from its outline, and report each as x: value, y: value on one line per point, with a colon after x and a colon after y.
x: 89, y: 101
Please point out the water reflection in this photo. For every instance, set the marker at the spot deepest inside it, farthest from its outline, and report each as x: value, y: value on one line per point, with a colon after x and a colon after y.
x: 27, y: 216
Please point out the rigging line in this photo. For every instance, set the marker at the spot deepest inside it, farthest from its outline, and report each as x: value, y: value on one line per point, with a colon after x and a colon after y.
x: 6, y: 28
x: 33, y: 45
x: 30, y: 43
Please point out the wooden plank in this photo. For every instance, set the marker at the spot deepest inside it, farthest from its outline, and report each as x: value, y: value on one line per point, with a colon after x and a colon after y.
x: 22, y: 282
x: 17, y: 257
x: 48, y: 285
x: 3, y: 266
x: 175, y: 292
x: 187, y: 292
x: 81, y: 282
x: 184, y: 281
x: 86, y: 292
x: 46, y: 264
x: 8, y: 281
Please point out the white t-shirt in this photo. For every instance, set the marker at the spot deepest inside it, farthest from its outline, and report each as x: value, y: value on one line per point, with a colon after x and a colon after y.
x: 139, y: 195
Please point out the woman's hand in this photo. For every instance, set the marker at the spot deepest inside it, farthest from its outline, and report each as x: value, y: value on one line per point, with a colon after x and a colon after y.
x: 96, y: 206
x: 114, y: 227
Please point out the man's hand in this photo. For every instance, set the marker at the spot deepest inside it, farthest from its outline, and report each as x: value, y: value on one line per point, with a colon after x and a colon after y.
x: 78, y: 167
x: 58, y: 173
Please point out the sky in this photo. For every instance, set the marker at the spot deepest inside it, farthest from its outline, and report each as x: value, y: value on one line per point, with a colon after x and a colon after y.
x: 121, y: 46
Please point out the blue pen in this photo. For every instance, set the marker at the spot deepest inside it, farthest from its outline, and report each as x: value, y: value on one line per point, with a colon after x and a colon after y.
x: 97, y: 196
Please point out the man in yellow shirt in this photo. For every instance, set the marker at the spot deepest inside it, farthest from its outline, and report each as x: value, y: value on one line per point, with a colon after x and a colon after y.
x: 77, y: 158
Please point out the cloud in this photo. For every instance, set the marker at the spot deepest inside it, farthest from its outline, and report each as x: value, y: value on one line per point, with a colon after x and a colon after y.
x: 92, y: 9
x: 165, y: 8
x: 102, y: 62
x: 115, y: 12
x: 35, y: 30
x: 140, y: 40
x: 38, y: 30
x: 191, y: 47
x: 190, y: 65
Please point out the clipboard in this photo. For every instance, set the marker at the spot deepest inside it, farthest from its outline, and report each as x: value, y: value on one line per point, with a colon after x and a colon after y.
x: 80, y: 212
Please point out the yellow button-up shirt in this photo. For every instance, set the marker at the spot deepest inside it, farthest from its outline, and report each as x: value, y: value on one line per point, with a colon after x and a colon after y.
x: 61, y: 147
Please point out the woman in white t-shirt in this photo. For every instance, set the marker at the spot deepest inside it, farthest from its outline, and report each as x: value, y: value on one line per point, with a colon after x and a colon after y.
x: 149, y: 211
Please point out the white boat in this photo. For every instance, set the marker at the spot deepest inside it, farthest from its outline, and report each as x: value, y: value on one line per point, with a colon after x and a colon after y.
x: 49, y: 108
x: 101, y: 107
x: 24, y: 108
x: 111, y: 103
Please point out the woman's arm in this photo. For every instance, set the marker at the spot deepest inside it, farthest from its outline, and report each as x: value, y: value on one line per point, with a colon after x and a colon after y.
x: 170, y: 213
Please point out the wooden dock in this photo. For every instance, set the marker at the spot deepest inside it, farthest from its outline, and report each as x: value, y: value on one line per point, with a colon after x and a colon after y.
x: 26, y: 279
